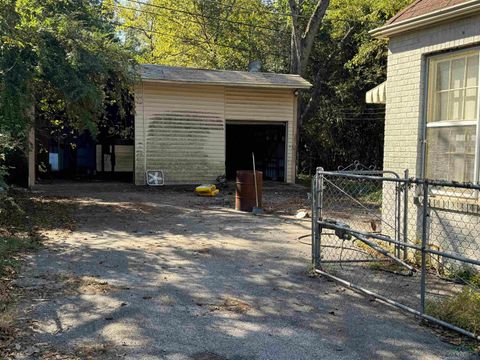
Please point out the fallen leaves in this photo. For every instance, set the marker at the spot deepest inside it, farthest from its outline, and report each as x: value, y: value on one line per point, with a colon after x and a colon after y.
x: 50, y: 285
x: 229, y: 304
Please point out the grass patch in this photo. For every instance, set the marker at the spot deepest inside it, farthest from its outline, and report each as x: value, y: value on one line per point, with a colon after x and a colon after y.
x: 10, y: 247
x: 372, y: 197
x: 386, y: 266
x: 465, y: 275
x: 367, y: 192
x: 341, y: 189
x: 462, y: 309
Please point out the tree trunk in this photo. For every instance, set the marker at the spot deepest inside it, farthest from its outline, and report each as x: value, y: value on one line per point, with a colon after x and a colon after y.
x: 301, y: 48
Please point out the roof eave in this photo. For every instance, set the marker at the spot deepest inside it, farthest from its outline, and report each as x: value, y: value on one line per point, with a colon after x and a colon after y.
x: 460, y: 10
x: 306, y: 85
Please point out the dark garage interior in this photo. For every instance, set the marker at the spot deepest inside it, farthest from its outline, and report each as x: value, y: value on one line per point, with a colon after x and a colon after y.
x: 267, y: 141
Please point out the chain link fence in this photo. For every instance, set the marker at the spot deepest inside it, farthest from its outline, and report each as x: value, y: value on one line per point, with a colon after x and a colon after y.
x: 412, y: 243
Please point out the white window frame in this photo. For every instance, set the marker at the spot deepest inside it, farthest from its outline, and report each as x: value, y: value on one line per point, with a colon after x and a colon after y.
x: 430, y: 101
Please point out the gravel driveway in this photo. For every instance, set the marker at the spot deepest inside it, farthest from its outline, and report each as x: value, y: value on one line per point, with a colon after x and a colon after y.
x: 163, y: 274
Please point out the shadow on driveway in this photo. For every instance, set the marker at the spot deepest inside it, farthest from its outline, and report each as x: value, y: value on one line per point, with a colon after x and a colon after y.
x: 191, y: 279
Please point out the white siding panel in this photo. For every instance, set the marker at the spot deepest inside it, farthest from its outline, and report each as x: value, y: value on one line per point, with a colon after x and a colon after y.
x: 258, y: 104
x: 139, y: 136
x: 183, y: 129
x: 264, y: 105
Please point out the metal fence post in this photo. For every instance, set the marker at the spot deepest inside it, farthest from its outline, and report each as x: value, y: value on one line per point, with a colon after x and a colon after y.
x: 424, y: 246
x: 317, y: 194
x: 320, y: 214
x: 314, y: 216
x: 405, y: 213
x: 398, y: 190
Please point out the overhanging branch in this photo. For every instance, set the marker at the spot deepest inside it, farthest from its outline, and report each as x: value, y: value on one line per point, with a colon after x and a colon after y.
x: 317, y: 87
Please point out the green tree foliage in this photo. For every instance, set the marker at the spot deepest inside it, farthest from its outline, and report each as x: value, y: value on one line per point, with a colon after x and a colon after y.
x: 346, y: 62
x: 225, y: 34
x: 58, y: 56
x: 16, y: 67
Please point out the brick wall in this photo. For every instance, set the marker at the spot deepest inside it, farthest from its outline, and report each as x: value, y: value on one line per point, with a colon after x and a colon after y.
x: 405, y: 87
x: 404, y: 124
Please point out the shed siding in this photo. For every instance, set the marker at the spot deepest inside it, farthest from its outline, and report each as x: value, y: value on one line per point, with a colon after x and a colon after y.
x: 265, y: 105
x: 181, y: 128
x: 139, y: 136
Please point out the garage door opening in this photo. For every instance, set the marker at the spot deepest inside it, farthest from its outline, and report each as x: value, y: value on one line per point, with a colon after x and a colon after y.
x: 266, y: 141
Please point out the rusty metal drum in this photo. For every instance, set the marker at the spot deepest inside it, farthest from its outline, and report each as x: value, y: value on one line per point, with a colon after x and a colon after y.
x: 245, y: 190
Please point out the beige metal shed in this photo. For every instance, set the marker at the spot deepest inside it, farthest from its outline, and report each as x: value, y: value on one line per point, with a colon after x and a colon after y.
x: 182, y: 116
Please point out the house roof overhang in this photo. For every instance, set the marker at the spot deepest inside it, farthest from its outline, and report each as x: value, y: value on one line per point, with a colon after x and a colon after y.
x: 184, y: 75
x: 465, y: 9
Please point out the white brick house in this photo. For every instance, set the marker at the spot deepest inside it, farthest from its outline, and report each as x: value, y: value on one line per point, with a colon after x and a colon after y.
x: 432, y: 90
x: 432, y: 106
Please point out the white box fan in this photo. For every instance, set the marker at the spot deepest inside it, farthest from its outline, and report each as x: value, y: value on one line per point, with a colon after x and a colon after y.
x: 155, y: 178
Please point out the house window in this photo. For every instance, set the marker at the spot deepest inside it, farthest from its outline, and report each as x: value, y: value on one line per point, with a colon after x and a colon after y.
x: 452, y: 117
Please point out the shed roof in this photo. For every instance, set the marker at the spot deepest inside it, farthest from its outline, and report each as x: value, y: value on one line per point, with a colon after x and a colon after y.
x: 222, y: 77
x: 422, y: 7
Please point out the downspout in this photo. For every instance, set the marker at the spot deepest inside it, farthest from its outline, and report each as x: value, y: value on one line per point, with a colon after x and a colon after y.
x: 423, y: 119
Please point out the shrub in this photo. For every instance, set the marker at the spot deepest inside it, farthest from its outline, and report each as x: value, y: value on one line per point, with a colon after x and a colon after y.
x: 462, y: 309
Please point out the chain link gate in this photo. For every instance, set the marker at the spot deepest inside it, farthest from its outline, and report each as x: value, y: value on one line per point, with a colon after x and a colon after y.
x: 412, y: 243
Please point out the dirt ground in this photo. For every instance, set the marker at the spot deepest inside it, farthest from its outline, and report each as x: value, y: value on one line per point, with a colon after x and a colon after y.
x: 164, y: 274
